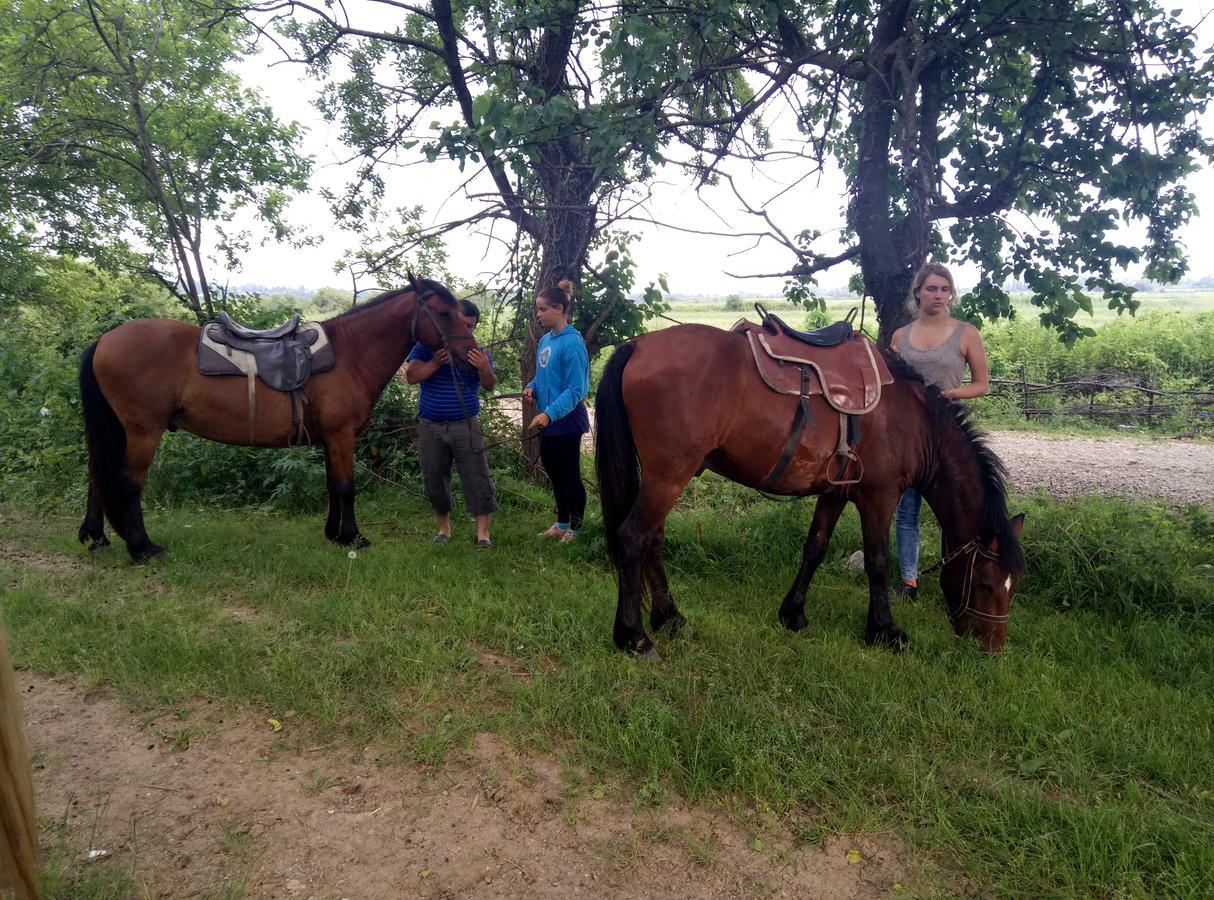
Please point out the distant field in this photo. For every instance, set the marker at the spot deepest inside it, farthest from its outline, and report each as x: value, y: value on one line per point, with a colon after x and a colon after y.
x: 713, y: 312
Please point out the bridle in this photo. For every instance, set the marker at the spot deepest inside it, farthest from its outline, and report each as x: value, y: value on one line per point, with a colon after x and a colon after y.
x: 975, y: 549
x: 419, y: 303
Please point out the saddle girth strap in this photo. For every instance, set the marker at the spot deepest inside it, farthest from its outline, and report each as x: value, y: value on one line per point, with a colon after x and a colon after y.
x: 251, y: 378
x: 849, y: 433
x: 801, y: 418
x: 299, y: 431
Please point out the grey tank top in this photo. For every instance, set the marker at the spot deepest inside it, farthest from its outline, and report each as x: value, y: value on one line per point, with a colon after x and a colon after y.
x: 943, y: 366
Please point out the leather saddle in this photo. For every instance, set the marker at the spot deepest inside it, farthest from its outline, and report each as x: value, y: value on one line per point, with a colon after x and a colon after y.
x: 836, y: 362
x: 842, y: 365
x: 283, y: 357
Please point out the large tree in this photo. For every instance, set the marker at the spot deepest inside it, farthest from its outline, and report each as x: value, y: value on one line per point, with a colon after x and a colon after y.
x: 563, y: 109
x: 1031, y: 137
x: 129, y: 140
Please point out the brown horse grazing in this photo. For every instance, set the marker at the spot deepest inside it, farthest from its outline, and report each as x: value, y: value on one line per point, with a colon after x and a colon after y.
x: 687, y: 398
x: 142, y: 377
x: 18, y: 828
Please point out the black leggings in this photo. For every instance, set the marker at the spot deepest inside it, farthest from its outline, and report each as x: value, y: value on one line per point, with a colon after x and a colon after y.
x: 562, y: 459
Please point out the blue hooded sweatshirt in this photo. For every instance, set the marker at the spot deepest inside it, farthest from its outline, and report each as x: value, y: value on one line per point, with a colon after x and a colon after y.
x: 562, y: 380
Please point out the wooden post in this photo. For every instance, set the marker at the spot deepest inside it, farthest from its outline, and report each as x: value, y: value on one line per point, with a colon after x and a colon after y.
x: 1024, y: 383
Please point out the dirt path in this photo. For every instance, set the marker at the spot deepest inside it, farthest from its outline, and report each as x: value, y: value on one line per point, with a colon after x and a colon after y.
x: 232, y: 808
x: 1179, y: 472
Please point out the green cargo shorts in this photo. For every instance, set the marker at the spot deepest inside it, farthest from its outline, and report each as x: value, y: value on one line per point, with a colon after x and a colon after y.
x: 462, y: 442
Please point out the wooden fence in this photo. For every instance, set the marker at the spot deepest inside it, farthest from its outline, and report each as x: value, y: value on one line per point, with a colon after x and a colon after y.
x: 1090, y: 397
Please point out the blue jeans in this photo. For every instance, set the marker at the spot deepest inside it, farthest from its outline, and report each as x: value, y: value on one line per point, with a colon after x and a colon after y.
x: 906, y: 534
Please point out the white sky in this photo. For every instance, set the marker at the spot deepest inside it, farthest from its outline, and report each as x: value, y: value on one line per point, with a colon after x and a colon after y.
x: 694, y: 263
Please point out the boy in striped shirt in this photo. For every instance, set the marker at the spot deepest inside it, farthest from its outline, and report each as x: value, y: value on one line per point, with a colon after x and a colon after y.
x: 450, y: 431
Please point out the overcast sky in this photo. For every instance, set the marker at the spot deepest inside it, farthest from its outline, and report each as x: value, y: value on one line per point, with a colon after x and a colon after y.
x: 694, y: 263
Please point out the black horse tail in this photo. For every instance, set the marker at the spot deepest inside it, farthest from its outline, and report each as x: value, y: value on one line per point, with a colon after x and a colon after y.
x: 615, y: 451
x: 106, y: 439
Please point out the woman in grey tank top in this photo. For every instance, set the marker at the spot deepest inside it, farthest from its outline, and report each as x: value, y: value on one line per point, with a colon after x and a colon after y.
x: 939, y: 348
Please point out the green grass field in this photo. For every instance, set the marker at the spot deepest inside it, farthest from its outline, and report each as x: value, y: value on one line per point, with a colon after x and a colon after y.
x: 1080, y: 762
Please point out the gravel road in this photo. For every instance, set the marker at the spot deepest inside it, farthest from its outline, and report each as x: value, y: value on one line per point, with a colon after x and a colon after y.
x: 1179, y: 472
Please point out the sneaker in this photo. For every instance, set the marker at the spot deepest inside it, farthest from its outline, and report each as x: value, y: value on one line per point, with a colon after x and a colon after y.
x: 483, y: 544
x: 552, y: 532
x: 568, y: 537
x: 904, y: 590
x: 441, y: 538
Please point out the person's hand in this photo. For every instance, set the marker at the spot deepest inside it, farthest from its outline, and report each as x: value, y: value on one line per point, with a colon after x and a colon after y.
x: 441, y: 356
x: 529, y: 394
x: 541, y: 421
x: 479, y: 359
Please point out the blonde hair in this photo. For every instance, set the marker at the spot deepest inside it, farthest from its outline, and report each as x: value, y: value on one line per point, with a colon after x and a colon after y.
x: 561, y: 295
x: 18, y: 834
x: 925, y: 272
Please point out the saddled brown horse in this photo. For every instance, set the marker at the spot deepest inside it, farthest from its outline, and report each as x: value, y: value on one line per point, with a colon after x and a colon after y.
x: 675, y: 402
x: 142, y: 378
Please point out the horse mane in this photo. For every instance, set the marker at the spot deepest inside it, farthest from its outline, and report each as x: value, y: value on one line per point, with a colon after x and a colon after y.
x: 947, y: 415
x: 426, y: 284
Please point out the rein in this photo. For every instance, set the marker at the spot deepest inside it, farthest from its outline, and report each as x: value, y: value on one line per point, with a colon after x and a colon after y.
x: 974, y: 549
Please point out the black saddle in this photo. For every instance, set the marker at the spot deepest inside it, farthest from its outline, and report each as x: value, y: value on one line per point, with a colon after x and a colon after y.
x: 829, y: 336
x: 283, y: 354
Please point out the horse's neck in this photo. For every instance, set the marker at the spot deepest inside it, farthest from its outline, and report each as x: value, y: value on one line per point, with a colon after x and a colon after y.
x: 956, y: 491
x: 375, y: 341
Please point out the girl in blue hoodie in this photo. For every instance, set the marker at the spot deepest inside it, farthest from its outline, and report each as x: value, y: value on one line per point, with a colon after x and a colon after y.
x: 562, y: 379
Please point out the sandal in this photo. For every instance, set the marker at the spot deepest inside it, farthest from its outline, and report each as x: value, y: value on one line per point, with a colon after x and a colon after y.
x: 568, y: 537
x: 441, y: 538
x: 483, y: 544
x: 552, y: 532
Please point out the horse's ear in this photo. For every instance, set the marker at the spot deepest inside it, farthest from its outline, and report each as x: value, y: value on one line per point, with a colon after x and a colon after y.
x: 417, y: 288
x: 1017, y: 524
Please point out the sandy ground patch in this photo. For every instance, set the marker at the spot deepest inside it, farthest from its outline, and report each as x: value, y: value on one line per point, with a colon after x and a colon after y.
x: 1179, y: 472
x: 198, y: 805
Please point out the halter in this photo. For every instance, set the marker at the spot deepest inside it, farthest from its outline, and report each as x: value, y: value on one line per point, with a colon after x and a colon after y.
x: 975, y: 549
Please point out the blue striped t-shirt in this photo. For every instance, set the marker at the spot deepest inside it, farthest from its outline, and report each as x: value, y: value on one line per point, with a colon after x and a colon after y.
x: 440, y: 401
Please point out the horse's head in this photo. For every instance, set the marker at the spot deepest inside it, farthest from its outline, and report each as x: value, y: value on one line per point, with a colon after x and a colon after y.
x: 979, y: 579
x: 437, y: 320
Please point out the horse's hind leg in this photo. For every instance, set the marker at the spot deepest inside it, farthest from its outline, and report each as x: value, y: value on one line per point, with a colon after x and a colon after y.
x: 826, y: 516
x: 876, y: 512
x: 664, y: 613
x: 640, y: 537
x: 140, y: 450
x: 92, y: 529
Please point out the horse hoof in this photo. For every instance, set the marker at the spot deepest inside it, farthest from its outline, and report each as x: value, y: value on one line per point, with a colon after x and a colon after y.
x: 650, y: 654
x: 98, y: 545
x: 148, y: 553
x: 794, y: 623
x: 894, y: 638
x: 676, y: 626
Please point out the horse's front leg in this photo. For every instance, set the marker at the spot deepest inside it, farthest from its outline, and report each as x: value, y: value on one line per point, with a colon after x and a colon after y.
x: 341, y: 525
x: 826, y: 515
x: 876, y: 512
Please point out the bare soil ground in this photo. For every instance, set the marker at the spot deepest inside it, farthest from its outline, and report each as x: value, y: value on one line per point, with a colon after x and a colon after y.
x: 235, y: 806
x: 1178, y: 472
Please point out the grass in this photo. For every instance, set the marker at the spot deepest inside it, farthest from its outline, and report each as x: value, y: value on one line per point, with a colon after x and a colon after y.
x: 1080, y: 761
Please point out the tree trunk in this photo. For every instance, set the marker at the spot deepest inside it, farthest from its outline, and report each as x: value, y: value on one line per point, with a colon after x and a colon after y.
x: 564, y: 239
x: 886, y: 270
